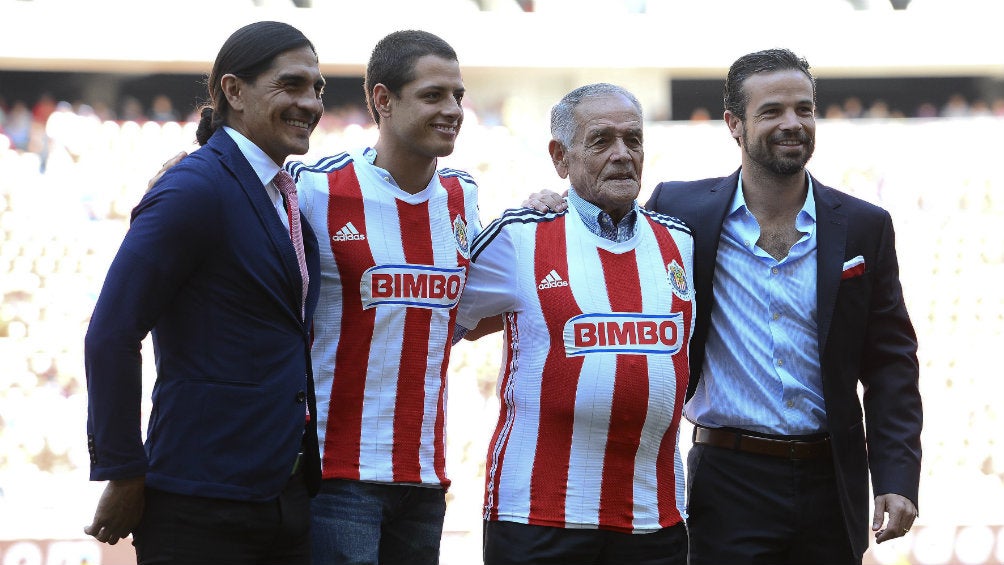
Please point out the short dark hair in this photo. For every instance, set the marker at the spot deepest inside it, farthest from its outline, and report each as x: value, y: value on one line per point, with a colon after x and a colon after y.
x: 392, y: 62
x: 562, y: 114
x: 766, y: 61
x: 247, y: 53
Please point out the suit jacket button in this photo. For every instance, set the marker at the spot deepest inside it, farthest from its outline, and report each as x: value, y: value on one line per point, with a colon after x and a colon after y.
x: 301, y: 397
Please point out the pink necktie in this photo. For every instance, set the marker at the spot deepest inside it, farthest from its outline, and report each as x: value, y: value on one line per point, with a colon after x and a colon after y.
x: 285, y: 184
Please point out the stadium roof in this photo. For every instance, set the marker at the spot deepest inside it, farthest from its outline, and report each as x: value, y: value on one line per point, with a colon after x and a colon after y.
x: 680, y: 39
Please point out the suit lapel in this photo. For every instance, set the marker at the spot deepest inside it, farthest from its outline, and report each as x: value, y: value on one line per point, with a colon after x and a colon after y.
x: 234, y: 160
x: 831, y: 239
x: 710, y: 209
x: 705, y: 212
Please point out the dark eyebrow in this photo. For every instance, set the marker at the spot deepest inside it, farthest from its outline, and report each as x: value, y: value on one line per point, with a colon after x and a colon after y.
x: 299, y: 78
x: 774, y: 104
x: 767, y: 106
x: 441, y: 88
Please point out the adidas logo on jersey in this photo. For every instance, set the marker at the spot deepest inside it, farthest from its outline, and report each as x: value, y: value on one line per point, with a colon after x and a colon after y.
x: 348, y: 233
x: 552, y: 280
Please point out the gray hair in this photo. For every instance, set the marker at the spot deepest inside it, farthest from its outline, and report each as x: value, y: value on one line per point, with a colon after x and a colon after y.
x: 562, y: 114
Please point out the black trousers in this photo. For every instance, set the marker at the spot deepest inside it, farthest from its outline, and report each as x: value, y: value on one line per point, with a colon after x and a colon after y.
x: 751, y: 509
x: 511, y: 543
x: 193, y: 530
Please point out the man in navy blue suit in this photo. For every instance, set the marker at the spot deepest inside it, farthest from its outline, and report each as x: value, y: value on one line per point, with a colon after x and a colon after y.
x: 212, y: 266
x: 798, y: 304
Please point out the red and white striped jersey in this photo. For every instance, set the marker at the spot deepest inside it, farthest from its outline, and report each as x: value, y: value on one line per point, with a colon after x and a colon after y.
x: 392, y: 270
x: 594, y: 371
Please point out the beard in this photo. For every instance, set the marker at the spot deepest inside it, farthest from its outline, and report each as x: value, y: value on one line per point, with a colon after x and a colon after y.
x: 779, y: 164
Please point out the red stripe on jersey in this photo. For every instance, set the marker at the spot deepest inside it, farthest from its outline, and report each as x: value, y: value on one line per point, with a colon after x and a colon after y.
x: 629, y: 406
x: 410, y: 403
x: 500, y: 437
x: 458, y: 207
x: 665, y: 467
x: 549, y: 483
x: 341, y: 442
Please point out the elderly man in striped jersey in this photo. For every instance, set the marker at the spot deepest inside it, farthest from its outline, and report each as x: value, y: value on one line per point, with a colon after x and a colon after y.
x: 597, y: 301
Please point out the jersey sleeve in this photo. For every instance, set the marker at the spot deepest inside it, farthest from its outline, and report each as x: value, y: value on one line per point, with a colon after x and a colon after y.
x: 491, y: 285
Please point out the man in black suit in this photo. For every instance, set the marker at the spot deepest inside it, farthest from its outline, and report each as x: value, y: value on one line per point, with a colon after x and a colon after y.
x: 798, y: 302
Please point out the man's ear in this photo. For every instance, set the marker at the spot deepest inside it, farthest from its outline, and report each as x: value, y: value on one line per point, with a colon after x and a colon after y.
x: 735, y: 125
x: 558, y: 157
x: 231, y: 86
x: 381, y: 97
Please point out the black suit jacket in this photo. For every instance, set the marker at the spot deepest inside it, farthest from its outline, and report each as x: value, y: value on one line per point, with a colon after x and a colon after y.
x: 865, y: 336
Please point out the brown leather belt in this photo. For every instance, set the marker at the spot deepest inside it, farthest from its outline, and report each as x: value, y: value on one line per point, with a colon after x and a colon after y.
x: 788, y: 449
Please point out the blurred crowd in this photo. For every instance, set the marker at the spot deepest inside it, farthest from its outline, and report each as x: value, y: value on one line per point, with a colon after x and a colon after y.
x: 852, y: 108
x: 70, y: 174
x: 29, y: 126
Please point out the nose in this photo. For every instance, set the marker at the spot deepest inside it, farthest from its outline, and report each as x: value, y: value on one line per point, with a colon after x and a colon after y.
x: 311, y: 102
x: 453, y: 108
x: 620, y: 151
x: 791, y: 120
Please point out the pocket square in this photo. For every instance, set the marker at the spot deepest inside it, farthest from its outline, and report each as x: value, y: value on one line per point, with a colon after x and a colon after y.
x: 853, y: 268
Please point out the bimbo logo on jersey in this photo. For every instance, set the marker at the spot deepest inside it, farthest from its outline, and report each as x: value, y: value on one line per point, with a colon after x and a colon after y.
x: 624, y: 332
x: 422, y: 286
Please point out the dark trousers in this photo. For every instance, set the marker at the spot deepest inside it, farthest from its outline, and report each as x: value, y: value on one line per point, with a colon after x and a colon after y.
x: 751, y: 509
x: 511, y: 543
x: 193, y: 530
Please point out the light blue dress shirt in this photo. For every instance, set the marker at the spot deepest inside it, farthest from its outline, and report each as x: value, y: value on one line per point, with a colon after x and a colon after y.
x: 761, y: 367
x: 599, y: 222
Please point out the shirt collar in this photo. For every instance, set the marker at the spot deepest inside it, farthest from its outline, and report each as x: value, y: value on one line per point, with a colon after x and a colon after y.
x: 594, y: 218
x: 807, y: 215
x: 262, y: 164
x: 370, y: 154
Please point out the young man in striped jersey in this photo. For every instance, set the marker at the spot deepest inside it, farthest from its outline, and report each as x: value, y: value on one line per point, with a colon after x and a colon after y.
x: 394, y: 236
x: 598, y: 304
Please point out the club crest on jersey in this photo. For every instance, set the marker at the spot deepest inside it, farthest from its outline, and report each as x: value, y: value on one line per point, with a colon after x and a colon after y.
x: 623, y: 332
x: 420, y: 286
x: 460, y: 234
x: 678, y: 280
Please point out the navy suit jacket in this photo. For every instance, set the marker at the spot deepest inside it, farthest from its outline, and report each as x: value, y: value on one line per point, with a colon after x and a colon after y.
x: 209, y: 268
x: 864, y: 332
